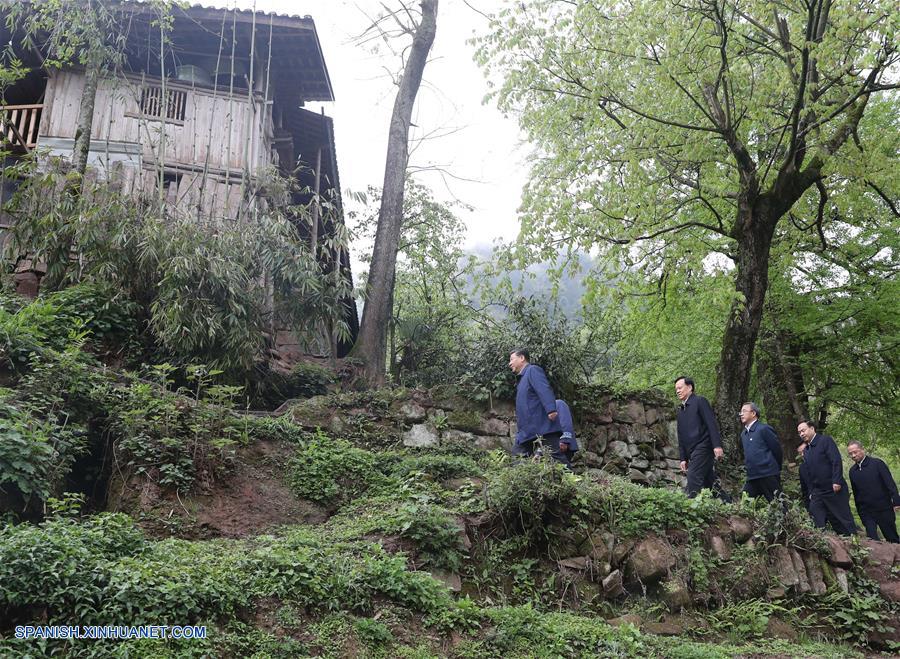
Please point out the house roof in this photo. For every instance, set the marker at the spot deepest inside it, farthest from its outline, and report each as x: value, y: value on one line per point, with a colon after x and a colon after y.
x: 298, y: 70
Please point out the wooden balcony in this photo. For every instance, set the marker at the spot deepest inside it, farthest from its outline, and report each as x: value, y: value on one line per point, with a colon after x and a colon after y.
x: 19, y: 126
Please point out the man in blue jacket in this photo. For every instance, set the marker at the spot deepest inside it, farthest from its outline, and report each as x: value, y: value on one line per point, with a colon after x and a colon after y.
x: 699, y: 442
x: 762, y: 455
x: 829, y: 498
x: 875, y: 493
x: 536, y: 411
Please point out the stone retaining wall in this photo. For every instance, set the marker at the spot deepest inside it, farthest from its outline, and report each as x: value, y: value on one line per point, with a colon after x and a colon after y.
x: 631, y: 435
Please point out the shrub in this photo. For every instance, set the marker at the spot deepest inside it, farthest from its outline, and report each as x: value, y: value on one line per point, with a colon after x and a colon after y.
x: 24, y: 333
x: 62, y: 564
x: 525, y: 632
x: 332, y: 470
x: 532, y: 497
x: 304, y: 381
x: 307, y: 380
x: 633, y: 511
x: 172, y: 437
x: 197, y: 284
x: 35, y: 455
x: 431, y: 528
x: 439, y: 466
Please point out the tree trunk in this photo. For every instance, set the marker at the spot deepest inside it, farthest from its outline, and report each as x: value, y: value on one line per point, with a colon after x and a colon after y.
x: 371, y: 343
x: 781, y: 388
x: 756, y: 227
x: 85, y: 120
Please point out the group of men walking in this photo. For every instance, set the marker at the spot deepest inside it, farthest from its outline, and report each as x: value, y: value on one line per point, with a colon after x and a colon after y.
x: 822, y: 484
x: 546, y: 421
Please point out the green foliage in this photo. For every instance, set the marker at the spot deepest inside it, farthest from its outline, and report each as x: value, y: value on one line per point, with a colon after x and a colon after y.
x: 372, y: 632
x: 646, y: 177
x: 504, y: 573
x: 102, y: 571
x: 53, y: 322
x: 197, y: 287
x: 634, y: 511
x: 431, y: 529
x: 275, y: 429
x: 23, y: 333
x: 743, y: 620
x: 525, y: 632
x: 853, y: 617
x: 243, y: 640
x: 27, y: 456
x: 432, y: 287
x: 332, y: 470
x: 307, y: 380
x: 172, y: 437
x: 438, y: 466
x: 46, y: 420
x: 529, y: 498
x: 568, y: 356
x: 61, y: 565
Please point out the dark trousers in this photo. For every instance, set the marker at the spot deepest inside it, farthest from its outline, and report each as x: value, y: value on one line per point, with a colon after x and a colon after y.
x: 550, y: 442
x: 832, y: 507
x: 701, y: 473
x: 883, y: 519
x: 767, y: 486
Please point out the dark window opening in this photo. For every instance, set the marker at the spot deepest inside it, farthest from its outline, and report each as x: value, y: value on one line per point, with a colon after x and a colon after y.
x: 155, y: 103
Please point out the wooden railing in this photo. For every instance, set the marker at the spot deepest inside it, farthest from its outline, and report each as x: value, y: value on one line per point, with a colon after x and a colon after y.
x: 19, y: 125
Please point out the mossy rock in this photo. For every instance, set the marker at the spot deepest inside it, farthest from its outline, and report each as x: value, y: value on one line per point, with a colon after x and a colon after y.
x: 468, y: 420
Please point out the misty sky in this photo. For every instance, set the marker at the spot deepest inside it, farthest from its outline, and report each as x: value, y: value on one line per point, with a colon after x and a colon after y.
x: 485, y: 147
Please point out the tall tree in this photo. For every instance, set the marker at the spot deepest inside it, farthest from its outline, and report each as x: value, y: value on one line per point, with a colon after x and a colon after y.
x: 669, y: 132
x: 371, y: 345
x: 434, y: 284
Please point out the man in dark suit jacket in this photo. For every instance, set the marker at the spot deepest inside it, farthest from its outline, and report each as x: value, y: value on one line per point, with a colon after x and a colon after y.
x: 699, y: 442
x: 536, y: 413
x: 875, y: 493
x: 762, y: 455
x: 829, y: 497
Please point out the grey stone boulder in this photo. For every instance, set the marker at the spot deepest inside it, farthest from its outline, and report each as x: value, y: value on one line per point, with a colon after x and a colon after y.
x: 814, y: 573
x: 453, y: 436
x: 741, y: 529
x: 672, y: 432
x: 651, y: 559
x: 421, y: 435
x: 628, y: 619
x: 840, y: 557
x: 412, y: 412
x: 493, y: 426
x: 800, y: 568
x: 449, y: 579
x: 617, y: 451
x: 637, y: 476
x: 720, y: 547
x: 676, y: 595
x: 612, y: 585
x: 492, y: 442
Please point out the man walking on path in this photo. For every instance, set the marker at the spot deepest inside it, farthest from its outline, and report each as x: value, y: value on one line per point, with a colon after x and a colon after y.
x: 536, y: 413
x: 762, y: 455
x: 698, y: 440
x: 875, y: 493
x: 829, y: 498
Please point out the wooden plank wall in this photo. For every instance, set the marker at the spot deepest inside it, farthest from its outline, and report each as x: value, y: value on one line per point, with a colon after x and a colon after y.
x: 225, y: 136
